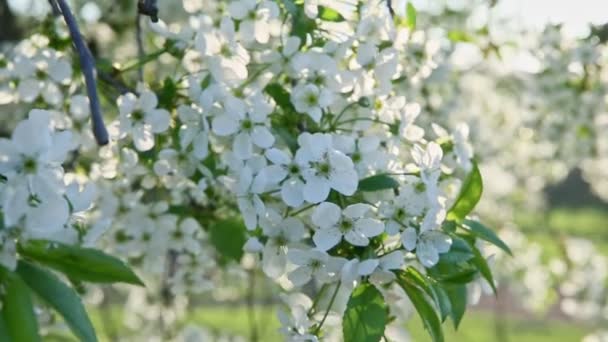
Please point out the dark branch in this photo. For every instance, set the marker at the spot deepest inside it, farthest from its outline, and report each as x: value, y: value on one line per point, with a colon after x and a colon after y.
x: 149, y: 8
x: 87, y: 63
x: 391, y: 10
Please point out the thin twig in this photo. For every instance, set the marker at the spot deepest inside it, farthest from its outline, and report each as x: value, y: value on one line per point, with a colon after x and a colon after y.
x: 140, y: 45
x: 331, y: 303
x: 87, y: 63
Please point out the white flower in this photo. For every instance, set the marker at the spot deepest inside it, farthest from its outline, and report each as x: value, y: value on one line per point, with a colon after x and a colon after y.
x: 140, y: 118
x: 255, y: 19
x: 428, y: 244
x: 312, y: 263
x: 354, y: 269
x: 312, y: 100
x: 31, y: 162
x: 286, y: 172
x: 354, y: 224
x: 194, y: 131
x: 282, y: 234
x: 228, y: 59
x: 324, y: 168
x: 249, y: 127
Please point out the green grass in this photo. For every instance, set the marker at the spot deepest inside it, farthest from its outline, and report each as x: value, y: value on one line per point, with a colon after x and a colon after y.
x: 588, y: 223
x: 477, y: 326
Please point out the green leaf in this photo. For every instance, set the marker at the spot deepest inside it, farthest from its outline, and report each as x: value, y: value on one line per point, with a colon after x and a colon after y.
x: 60, y: 297
x: 485, y: 233
x: 484, y: 268
x: 460, y: 36
x: 443, y: 301
x: 468, y: 197
x: 18, y: 310
x: 424, y: 308
x: 449, y: 273
x: 378, y: 182
x: 328, y: 14
x: 459, y: 252
x: 85, y: 264
x: 410, y: 13
x: 4, y: 330
x: 280, y: 96
x: 430, y: 287
x: 458, y: 302
x: 228, y: 237
x: 366, y: 315
x: 301, y: 25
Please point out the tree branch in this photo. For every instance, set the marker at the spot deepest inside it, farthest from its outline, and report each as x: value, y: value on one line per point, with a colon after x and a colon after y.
x: 87, y: 63
x: 149, y: 8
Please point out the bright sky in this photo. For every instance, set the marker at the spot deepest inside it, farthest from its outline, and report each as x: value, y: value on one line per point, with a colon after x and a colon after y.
x: 575, y: 14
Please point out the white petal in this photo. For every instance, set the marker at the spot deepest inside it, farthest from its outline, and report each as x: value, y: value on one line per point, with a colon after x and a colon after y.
x: 366, y: 267
x: 143, y: 137
x: 355, y: 237
x: 369, y: 227
x: 147, y: 101
x: 262, y: 137
x: 327, y: 238
x: 441, y: 242
x: 345, y: 182
x: 33, y: 136
x: 158, y: 119
x: 300, y: 276
x: 316, y: 190
x: 326, y: 215
x: 427, y: 254
x: 409, y: 238
x: 248, y: 212
x: 291, y: 192
x: 242, y: 146
x: 224, y: 125
x: 358, y: 210
x: 126, y: 104
x: 29, y: 89
x: 274, y: 261
x: 275, y: 173
x: 277, y: 156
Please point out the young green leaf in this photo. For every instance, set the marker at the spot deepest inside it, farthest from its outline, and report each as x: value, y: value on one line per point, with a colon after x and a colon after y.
x: 60, y: 297
x: 366, y: 315
x: 228, y: 237
x: 378, y: 182
x: 484, y: 268
x: 470, y: 193
x: 424, y: 308
x: 485, y: 233
x: 18, y: 310
x: 458, y: 302
x: 411, y: 15
x: 85, y: 264
x: 329, y: 14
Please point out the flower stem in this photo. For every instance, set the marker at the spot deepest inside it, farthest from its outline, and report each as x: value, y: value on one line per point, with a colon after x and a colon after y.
x: 331, y: 303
